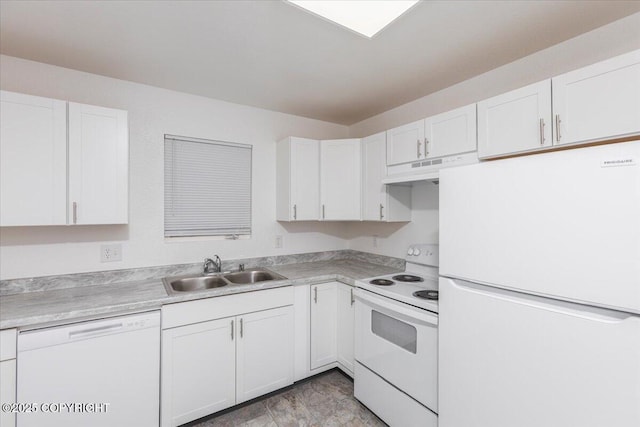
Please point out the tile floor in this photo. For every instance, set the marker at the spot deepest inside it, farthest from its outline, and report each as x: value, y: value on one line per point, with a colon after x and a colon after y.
x: 324, y: 400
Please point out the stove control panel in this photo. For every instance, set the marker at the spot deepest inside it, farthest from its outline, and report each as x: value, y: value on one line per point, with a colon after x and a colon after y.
x: 420, y: 253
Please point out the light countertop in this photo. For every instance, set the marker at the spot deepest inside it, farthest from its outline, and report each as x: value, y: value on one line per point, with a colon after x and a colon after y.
x: 30, y: 309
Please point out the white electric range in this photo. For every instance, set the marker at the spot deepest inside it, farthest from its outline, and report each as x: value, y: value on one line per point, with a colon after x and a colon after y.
x: 417, y: 285
x: 396, y: 341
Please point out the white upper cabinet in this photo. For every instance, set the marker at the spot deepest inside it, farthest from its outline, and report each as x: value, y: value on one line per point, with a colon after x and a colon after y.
x: 594, y: 103
x: 298, y: 179
x: 62, y: 168
x: 450, y: 133
x: 405, y: 143
x: 516, y: 121
x: 599, y: 101
x: 340, y: 174
x: 381, y: 202
x: 33, y: 156
x: 98, y: 165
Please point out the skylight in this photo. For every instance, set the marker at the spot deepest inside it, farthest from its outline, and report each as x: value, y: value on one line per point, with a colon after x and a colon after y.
x: 366, y: 17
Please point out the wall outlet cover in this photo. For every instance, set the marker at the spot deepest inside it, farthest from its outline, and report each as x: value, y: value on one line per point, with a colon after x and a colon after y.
x: 111, y: 253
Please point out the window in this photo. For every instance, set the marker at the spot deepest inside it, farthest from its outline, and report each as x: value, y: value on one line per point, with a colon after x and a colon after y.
x: 207, y: 187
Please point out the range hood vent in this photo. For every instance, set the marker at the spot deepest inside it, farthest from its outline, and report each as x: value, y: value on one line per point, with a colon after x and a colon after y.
x: 426, y: 170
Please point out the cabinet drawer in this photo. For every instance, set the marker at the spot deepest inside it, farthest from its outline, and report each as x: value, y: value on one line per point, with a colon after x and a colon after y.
x: 7, y: 344
x: 186, y: 313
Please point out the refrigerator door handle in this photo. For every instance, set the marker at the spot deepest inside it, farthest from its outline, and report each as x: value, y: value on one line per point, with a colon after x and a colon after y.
x: 545, y: 303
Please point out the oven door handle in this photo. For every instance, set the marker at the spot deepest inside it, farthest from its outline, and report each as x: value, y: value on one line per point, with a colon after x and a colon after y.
x: 401, y: 309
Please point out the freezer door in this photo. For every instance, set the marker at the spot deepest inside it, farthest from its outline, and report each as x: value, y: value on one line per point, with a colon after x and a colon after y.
x: 564, y: 224
x: 508, y: 359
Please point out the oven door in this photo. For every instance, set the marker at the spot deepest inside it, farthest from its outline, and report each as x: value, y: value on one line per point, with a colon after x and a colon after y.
x: 399, y: 342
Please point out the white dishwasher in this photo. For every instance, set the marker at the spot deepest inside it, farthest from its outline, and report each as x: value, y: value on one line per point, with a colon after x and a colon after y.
x: 96, y: 373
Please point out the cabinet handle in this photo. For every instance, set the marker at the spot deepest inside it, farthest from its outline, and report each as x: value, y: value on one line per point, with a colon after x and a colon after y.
x: 426, y: 147
x: 315, y: 294
x: 352, y: 298
x: 381, y: 214
x: 322, y: 211
x: 241, y: 328
x: 418, y: 148
x: 558, y: 121
x: 232, y: 330
x: 75, y: 212
x: 295, y: 211
x: 542, y: 132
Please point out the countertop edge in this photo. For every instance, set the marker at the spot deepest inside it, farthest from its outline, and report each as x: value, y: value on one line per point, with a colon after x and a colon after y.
x: 66, y: 317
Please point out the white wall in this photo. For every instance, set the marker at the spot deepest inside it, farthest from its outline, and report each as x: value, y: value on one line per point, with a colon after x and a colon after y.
x: 38, y: 251
x: 394, y: 238
x: 605, y: 42
x: 154, y: 112
x: 619, y: 37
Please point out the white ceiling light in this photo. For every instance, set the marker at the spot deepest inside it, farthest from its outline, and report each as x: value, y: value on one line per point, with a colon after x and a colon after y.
x: 366, y: 17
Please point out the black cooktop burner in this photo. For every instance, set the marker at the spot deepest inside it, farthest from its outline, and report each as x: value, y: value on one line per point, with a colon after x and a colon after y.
x: 432, y: 295
x: 407, y: 278
x: 381, y: 282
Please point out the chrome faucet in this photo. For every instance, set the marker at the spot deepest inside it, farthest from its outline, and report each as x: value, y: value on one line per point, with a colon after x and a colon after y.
x: 211, y: 266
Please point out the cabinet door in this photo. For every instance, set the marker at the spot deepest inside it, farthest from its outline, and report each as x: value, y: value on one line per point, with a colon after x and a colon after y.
x: 452, y: 132
x: 324, y: 310
x: 305, y: 179
x: 33, y: 160
x: 516, y: 121
x: 264, y: 352
x: 598, y: 102
x: 98, y: 165
x: 345, y: 325
x: 405, y: 143
x: 340, y: 179
x: 302, y: 341
x: 198, y: 370
x: 7, y: 391
x: 374, y: 169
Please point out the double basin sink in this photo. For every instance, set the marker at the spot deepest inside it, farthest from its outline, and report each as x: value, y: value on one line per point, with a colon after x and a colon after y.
x: 203, y: 282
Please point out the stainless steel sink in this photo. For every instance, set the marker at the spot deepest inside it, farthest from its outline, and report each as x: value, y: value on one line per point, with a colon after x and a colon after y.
x: 196, y: 283
x: 252, y: 276
x: 189, y: 284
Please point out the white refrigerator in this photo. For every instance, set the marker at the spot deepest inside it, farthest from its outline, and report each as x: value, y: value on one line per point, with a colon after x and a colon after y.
x: 540, y: 290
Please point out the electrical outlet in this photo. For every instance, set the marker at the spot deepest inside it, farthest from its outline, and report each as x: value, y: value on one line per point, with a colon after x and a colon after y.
x: 110, y: 253
x: 278, y: 242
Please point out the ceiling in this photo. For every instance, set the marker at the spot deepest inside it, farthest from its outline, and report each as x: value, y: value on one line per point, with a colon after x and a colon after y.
x: 273, y: 55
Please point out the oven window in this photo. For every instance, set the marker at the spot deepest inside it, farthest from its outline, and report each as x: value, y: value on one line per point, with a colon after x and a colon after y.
x: 395, y: 331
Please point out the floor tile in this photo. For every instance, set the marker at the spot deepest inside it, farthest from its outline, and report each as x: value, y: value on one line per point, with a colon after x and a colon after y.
x: 323, y: 401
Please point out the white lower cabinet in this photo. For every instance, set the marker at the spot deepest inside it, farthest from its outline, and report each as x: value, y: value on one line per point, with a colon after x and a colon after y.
x: 211, y: 365
x: 198, y: 371
x: 345, y: 326
x: 264, y: 352
x: 332, y: 323
x: 7, y: 375
x: 324, y: 310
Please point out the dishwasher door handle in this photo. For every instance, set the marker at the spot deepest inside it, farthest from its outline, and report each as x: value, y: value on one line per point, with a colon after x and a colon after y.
x: 92, y: 332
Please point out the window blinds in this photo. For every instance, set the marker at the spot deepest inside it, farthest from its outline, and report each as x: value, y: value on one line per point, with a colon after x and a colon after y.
x: 207, y: 187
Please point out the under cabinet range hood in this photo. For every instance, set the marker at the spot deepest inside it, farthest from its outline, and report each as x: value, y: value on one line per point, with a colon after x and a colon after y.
x: 427, y: 169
